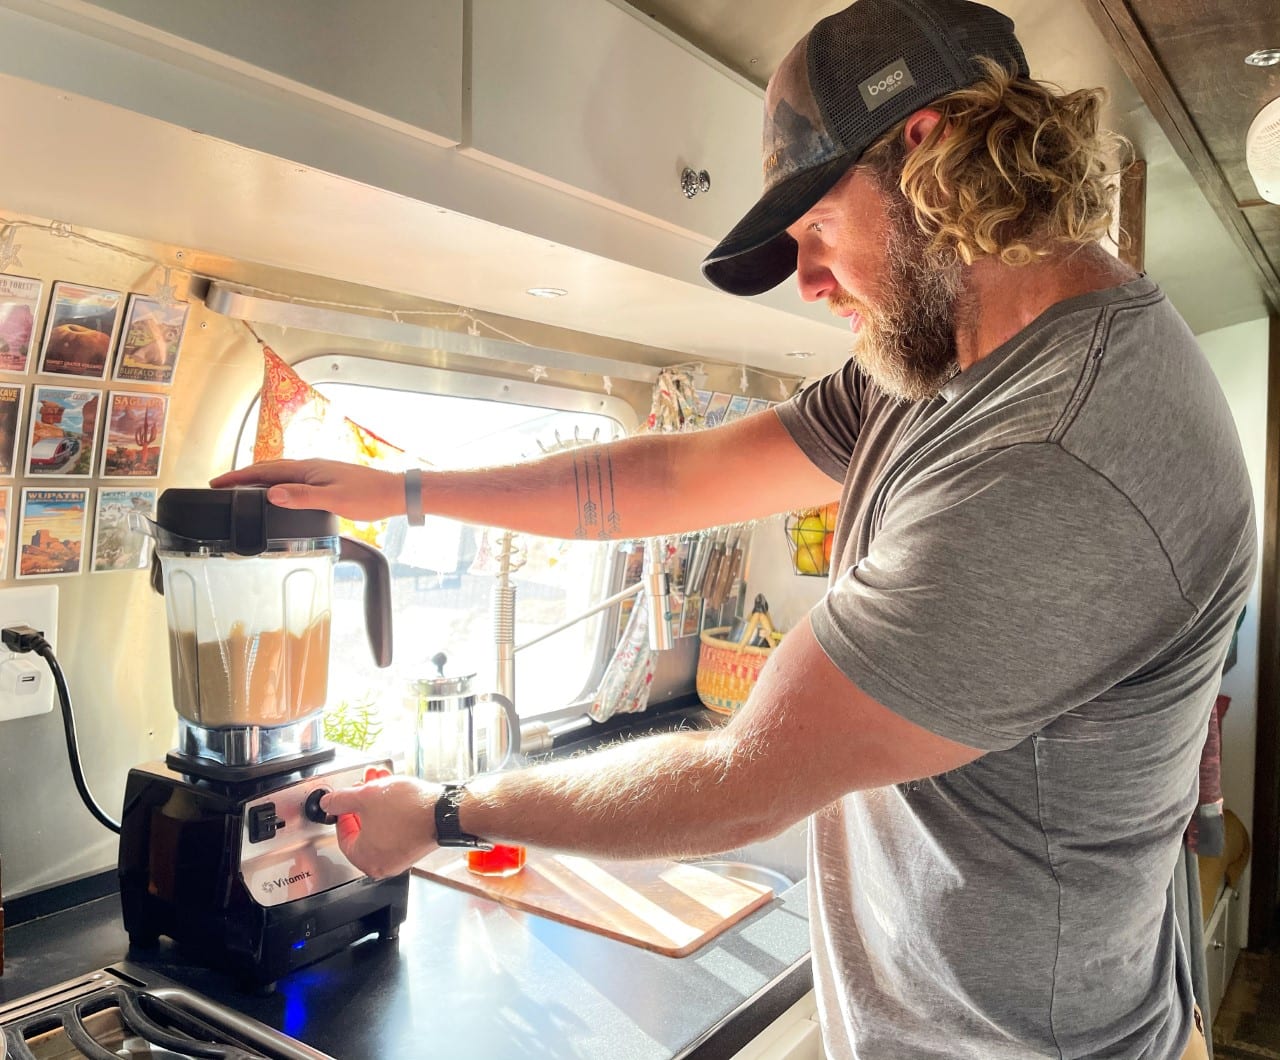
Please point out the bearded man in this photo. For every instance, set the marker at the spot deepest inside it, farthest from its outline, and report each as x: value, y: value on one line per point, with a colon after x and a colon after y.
x: 993, y: 718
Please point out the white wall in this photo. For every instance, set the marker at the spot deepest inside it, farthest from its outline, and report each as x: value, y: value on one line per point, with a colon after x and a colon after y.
x: 1239, y: 358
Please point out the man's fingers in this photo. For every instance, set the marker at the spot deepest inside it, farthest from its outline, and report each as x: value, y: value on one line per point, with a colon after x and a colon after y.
x: 348, y: 828
x: 267, y: 473
x: 349, y: 841
x: 294, y: 496
x: 343, y: 801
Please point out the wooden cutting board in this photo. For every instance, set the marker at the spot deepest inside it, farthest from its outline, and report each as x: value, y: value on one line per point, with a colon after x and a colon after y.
x: 666, y: 906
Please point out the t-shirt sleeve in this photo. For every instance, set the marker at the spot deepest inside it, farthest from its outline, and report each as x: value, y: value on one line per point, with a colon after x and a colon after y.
x: 824, y: 419
x: 998, y: 594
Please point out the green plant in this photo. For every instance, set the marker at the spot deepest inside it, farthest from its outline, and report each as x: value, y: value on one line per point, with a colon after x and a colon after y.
x: 355, y: 724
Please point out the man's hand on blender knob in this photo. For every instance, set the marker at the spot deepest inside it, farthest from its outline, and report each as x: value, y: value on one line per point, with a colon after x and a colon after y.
x: 350, y: 490
x: 385, y: 825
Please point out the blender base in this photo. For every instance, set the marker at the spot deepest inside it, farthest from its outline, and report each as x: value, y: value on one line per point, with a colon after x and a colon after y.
x: 242, y: 875
x: 208, y: 769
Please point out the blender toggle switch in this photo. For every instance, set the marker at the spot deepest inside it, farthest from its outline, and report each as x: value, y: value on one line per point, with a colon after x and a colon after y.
x: 264, y: 823
x: 313, y: 810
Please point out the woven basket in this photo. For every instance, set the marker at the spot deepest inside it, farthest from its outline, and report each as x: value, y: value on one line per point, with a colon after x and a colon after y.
x: 727, y: 672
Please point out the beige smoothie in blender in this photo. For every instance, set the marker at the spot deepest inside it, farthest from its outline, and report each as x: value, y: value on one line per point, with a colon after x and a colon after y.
x: 268, y: 678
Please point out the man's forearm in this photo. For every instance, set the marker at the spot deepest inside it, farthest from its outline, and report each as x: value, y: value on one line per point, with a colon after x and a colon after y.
x: 598, y: 492
x: 638, y: 487
x: 626, y: 489
x: 674, y: 795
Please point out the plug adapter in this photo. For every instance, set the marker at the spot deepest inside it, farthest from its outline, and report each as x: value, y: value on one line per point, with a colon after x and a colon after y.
x: 22, y: 679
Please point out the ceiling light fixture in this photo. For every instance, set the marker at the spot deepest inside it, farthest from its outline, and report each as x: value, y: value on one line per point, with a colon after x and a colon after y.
x: 800, y: 355
x: 1264, y: 57
x: 547, y: 292
x: 1262, y: 151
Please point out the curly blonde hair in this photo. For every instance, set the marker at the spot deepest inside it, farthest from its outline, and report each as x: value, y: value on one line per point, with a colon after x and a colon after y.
x: 1014, y: 170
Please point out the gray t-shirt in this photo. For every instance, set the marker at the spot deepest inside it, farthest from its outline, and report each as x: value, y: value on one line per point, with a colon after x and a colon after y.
x: 1046, y: 562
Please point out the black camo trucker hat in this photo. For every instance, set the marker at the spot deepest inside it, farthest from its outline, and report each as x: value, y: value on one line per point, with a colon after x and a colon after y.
x: 849, y: 80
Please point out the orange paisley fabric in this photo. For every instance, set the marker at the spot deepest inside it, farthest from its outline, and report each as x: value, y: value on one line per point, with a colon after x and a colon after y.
x: 296, y: 421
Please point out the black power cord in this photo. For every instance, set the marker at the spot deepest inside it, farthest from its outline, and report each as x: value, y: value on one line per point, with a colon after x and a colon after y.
x: 23, y: 639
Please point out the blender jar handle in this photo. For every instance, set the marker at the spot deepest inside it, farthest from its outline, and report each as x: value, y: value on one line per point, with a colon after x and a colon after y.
x: 377, y: 594
x: 513, y: 728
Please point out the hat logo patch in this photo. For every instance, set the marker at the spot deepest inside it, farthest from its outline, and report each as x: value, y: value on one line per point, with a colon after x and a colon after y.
x: 889, y: 84
x: 885, y: 84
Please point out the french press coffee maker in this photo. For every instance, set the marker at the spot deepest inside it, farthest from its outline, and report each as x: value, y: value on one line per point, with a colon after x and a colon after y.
x: 451, y: 741
x: 451, y: 745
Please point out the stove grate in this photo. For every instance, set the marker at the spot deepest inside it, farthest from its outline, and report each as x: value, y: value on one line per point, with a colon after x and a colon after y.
x: 140, y: 1022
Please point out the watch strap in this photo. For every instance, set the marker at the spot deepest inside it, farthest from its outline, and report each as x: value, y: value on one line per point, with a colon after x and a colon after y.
x: 449, y: 831
x: 413, y: 496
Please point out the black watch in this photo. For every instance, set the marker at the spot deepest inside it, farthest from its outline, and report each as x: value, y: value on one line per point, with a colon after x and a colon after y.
x: 449, y: 831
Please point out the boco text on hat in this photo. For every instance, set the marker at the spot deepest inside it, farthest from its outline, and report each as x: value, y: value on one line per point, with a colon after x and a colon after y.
x: 849, y: 80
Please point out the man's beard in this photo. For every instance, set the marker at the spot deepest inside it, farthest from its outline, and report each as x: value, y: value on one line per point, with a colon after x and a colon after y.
x: 907, y: 343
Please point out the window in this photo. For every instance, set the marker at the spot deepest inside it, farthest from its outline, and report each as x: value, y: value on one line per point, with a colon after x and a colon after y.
x: 441, y: 586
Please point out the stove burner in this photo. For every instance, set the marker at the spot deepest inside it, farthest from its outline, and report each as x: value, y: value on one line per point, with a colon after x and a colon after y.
x: 110, y: 1016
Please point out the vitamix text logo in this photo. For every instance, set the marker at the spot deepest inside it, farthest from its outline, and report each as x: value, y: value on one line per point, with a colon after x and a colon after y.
x: 282, y: 882
x: 884, y: 84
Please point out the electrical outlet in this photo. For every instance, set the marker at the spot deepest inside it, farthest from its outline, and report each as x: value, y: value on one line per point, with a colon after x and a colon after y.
x: 35, y: 606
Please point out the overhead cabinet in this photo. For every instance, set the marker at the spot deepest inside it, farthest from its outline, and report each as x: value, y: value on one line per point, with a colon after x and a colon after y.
x: 569, y: 122
x: 582, y: 95
x: 579, y: 95
x: 397, y: 63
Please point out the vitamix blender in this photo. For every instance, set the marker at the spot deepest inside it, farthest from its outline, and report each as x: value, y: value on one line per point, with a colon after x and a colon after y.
x: 223, y: 846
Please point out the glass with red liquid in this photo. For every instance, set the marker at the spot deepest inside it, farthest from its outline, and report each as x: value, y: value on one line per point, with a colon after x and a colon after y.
x: 502, y: 860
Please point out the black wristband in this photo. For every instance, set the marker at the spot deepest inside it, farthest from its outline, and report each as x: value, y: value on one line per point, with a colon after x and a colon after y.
x: 449, y: 831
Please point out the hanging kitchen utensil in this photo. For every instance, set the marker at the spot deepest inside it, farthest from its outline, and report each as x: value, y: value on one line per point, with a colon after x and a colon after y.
x: 757, y: 631
x: 726, y: 571
x: 714, y: 559
x: 692, y: 547
x: 735, y: 568
x: 706, y: 543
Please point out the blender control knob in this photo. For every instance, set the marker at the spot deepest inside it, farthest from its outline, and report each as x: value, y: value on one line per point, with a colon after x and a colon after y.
x: 313, y: 810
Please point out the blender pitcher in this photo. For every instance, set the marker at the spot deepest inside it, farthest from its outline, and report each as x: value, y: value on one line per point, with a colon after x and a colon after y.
x: 248, y: 592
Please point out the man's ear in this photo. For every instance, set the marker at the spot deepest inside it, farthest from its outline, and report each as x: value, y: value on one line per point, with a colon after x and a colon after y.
x: 919, y: 126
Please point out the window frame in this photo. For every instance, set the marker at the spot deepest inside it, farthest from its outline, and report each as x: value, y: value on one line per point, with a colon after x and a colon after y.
x: 354, y: 370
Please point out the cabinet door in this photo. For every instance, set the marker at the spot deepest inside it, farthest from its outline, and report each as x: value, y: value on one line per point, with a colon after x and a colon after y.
x: 397, y: 62
x: 1235, y: 918
x: 582, y: 95
x: 1215, y: 955
x: 792, y: 1036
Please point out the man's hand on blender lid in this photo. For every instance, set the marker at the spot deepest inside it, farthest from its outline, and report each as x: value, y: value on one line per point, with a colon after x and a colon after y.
x: 361, y: 493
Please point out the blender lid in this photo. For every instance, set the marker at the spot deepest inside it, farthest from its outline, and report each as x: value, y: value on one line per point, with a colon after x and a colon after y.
x: 240, y: 520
